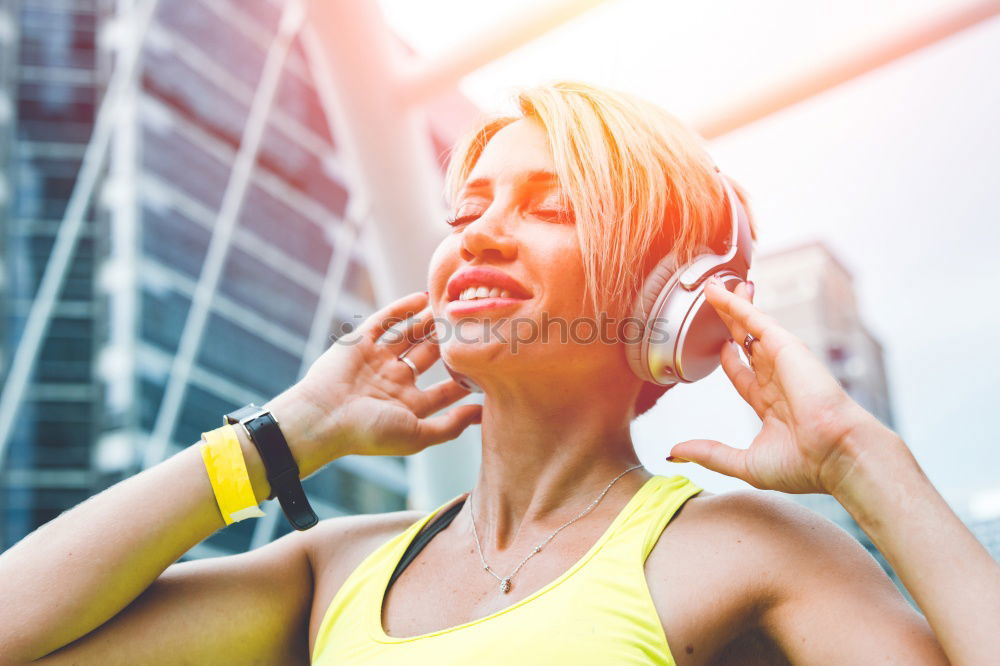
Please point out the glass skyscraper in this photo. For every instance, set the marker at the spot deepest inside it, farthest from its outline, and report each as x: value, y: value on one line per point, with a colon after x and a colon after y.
x: 97, y: 388
x: 50, y: 82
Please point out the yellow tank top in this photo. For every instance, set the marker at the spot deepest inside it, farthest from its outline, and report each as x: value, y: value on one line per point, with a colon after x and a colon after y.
x: 598, y: 612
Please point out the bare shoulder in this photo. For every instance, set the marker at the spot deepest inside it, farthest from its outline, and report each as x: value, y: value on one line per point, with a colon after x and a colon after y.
x: 743, y: 544
x: 768, y: 518
x: 343, y: 542
x: 726, y: 559
x: 826, y: 598
x: 766, y: 527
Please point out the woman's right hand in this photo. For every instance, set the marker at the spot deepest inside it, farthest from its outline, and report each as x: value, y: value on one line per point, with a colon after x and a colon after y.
x: 365, y: 400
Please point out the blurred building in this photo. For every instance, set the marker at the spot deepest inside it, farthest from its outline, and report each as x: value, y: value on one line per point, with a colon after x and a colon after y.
x: 50, y: 81
x: 988, y: 533
x: 811, y: 293
x: 98, y: 385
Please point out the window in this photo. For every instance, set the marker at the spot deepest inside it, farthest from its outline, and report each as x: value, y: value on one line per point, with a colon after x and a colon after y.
x: 352, y: 493
x: 302, y: 169
x: 175, y: 240
x: 67, y: 352
x: 277, y: 222
x: 162, y: 317
x: 28, y: 264
x: 201, y: 410
x: 267, y: 292
x: 55, y: 111
x: 221, y: 40
x: 58, y: 38
x: 63, y: 435
x: 43, y: 186
x: 239, y: 355
x: 176, y: 160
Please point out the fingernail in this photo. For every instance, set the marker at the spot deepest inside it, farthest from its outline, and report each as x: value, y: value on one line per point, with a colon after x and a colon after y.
x: 750, y: 287
x: 426, y: 292
x: 676, y: 459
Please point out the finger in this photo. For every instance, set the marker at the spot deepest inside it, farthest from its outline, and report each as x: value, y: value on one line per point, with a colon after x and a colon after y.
x: 448, y: 426
x: 424, y: 354
x: 712, y: 455
x: 744, y: 379
x: 744, y: 315
x: 438, y: 396
x: 395, y: 312
x: 402, y: 339
x: 736, y: 330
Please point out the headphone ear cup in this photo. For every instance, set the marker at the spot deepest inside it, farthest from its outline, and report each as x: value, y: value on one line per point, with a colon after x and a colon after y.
x: 655, y: 283
x: 462, y: 380
x: 702, y: 334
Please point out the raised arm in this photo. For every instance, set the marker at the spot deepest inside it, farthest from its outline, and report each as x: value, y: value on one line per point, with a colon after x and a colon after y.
x: 948, y: 572
x: 815, y: 439
x: 103, y: 565
x: 99, y: 581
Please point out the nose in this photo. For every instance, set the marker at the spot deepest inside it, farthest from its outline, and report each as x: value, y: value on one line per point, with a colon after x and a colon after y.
x: 487, y: 238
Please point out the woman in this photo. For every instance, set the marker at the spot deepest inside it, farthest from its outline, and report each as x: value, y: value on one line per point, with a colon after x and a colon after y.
x: 561, y: 552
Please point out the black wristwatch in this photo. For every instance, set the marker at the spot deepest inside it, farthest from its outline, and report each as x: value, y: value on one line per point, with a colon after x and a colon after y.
x: 282, y: 471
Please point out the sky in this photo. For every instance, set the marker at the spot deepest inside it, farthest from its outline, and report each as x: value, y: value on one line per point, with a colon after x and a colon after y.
x: 896, y: 171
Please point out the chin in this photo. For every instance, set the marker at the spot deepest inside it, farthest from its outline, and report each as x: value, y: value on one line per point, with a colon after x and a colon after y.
x: 470, y: 356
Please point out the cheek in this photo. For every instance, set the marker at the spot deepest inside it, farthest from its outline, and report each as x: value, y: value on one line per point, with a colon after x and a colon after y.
x: 565, y: 266
x: 442, y: 264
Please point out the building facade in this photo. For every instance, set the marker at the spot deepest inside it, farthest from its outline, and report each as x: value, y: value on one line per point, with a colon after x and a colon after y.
x: 296, y: 264
x: 50, y: 81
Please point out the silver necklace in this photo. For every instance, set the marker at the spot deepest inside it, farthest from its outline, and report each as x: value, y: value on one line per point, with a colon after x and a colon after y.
x: 505, y: 582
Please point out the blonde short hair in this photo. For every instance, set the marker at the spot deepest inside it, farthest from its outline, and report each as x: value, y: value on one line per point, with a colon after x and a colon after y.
x: 640, y: 184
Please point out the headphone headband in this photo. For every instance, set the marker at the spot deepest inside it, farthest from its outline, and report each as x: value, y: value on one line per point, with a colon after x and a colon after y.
x: 682, y: 333
x: 737, y: 244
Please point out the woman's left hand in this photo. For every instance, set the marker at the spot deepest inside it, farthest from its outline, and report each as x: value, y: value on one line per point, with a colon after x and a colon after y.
x: 802, y: 446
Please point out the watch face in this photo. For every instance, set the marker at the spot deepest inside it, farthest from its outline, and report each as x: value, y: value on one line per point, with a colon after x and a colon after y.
x: 242, y: 413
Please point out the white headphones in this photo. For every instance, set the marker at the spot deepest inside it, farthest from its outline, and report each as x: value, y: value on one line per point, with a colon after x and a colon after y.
x: 682, y: 334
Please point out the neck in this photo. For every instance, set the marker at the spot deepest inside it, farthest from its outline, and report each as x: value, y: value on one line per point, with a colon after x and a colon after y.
x: 547, y: 455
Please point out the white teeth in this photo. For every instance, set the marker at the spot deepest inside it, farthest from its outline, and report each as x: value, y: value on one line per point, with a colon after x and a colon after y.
x: 472, y: 293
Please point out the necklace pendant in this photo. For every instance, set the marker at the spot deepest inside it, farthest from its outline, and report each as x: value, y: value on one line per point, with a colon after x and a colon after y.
x: 505, y: 585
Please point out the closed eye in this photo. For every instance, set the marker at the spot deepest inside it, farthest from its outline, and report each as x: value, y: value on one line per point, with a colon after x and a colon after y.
x: 460, y: 219
x: 560, y: 215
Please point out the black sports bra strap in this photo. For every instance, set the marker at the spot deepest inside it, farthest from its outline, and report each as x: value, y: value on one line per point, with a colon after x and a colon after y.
x: 439, y: 523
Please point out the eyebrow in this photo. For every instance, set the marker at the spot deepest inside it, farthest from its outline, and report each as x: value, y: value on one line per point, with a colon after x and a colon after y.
x: 527, y: 180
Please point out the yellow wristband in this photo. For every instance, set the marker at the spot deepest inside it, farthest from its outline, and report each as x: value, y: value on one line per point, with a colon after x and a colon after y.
x: 227, y: 470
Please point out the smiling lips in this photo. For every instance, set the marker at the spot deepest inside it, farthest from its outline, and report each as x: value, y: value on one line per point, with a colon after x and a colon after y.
x: 479, y: 288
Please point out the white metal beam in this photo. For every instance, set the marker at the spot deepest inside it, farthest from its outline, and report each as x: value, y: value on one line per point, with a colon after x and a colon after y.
x: 386, y: 146
x: 881, y: 51
x: 426, y: 79
x: 120, y: 270
x: 232, y: 204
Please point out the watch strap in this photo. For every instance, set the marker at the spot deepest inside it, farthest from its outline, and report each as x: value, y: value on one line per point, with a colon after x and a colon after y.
x: 279, y: 464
